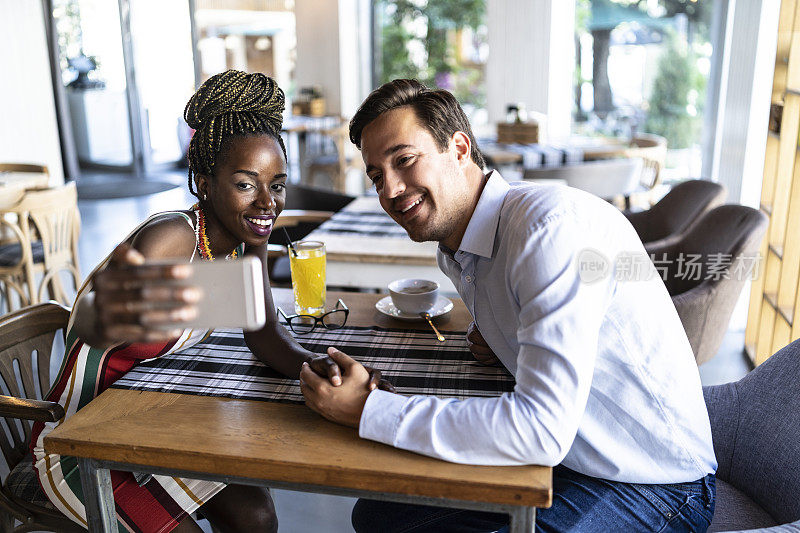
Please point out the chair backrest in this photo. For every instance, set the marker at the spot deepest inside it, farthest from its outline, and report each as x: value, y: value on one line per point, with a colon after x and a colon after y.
x: 755, y: 424
x: 23, y: 167
x: 24, y: 175
x: 55, y: 216
x: 706, y: 269
x: 676, y: 211
x: 26, y: 342
x: 653, y: 151
x: 605, y: 178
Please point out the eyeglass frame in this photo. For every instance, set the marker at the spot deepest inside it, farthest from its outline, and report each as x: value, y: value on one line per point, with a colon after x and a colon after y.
x: 317, y: 319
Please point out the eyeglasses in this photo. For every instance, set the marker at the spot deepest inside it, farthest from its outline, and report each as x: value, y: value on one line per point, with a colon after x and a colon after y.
x: 302, y: 324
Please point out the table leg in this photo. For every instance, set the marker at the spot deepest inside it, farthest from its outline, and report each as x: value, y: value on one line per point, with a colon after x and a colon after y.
x: 522, y: 520
x: 98, y: 497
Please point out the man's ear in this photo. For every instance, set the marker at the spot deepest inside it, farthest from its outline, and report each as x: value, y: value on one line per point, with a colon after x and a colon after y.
x: 463, y: 147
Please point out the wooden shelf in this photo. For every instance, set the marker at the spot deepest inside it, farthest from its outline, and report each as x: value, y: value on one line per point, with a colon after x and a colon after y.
x: 769, y: 325
x: 786, y: 313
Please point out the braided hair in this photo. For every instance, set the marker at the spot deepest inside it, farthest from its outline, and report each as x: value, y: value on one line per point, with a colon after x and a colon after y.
x: 231, y: 104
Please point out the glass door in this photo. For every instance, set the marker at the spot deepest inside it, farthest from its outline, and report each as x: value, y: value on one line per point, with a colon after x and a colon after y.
x: 93, y: 72
x: 161, y: 38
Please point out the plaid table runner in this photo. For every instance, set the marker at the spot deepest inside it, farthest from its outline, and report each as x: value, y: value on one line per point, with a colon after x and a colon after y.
x: 363, y: 223
x: 413, y: 361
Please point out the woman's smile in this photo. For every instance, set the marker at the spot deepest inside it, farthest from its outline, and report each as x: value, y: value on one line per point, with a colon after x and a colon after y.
x: 260, y: 225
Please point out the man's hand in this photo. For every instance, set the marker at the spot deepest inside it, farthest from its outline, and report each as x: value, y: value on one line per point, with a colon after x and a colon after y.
x: 342, y: 404
x: 480, y: 350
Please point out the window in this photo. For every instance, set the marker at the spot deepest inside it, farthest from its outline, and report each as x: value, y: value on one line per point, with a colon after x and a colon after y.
x: 442, y: 43
x: 643, y: 66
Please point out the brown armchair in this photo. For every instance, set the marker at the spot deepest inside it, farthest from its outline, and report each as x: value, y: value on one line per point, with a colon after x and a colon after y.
x: 670, y: 217
x: 705, y: 270
x: 24, y: 335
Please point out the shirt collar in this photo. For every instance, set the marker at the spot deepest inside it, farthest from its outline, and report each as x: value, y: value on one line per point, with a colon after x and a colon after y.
x: 479, y: 237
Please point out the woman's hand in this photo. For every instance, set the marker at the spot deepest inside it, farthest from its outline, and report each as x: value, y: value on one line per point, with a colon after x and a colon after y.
x: 324, y: 366
x: 134, y: 301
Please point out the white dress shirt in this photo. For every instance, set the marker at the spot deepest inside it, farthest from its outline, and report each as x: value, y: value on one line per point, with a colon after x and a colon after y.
x: 606, y: 382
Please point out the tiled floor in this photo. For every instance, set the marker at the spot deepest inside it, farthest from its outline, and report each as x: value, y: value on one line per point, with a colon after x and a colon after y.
x: 107, y: 222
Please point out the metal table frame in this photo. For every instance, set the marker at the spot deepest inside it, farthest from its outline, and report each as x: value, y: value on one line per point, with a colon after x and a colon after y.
x: 102, y: 516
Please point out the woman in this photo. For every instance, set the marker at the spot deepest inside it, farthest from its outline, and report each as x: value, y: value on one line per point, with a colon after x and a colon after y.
x: 237, y: 161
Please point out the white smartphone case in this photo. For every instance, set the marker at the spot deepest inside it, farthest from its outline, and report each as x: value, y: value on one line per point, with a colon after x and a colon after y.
x: 233, y: 294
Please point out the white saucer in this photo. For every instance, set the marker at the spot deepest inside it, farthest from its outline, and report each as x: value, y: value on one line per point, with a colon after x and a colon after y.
x: 386, y: 306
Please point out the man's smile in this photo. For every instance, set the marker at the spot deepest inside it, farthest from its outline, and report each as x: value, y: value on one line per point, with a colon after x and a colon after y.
x: 408, y: 208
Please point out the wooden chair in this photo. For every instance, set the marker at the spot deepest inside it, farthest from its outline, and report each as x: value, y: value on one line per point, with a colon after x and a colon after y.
x: 27, y: 169
x: 27, y: 335
x: 14, y: 179
x: 335, y: 164
x: 24, y: 167
x: 652, y: 150
x: 46, y: 230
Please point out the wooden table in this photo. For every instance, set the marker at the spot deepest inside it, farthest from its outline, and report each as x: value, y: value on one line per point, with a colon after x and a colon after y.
x: 371, y: 262
x: 279, y: 445
x: 592, y: 149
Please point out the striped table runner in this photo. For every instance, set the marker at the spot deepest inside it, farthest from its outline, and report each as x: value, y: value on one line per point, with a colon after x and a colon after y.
x: 363, y: 223
x: 413, y: 361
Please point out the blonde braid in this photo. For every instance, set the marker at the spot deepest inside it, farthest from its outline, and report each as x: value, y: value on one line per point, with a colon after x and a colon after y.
x: 229, y: 104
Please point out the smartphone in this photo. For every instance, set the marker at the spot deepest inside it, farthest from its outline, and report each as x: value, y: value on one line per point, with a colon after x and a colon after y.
x: 233, y: 294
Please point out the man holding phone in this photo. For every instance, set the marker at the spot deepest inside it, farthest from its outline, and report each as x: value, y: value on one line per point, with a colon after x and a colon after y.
x: 607, y: 390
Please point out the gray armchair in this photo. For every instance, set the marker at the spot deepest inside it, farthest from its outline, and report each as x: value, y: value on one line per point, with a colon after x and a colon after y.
x: 705, y: 270
x: 674, y: 214
x: 755, y: 423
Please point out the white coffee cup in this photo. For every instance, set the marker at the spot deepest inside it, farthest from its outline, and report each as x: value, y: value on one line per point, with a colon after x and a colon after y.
x: 414, y: 296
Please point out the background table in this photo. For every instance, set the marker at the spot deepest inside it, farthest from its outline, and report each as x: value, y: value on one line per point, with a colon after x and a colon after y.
x: 281, y: 445
x: 367, y: 249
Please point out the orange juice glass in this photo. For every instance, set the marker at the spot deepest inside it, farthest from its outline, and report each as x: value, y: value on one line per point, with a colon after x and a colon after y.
x: 308, y: 277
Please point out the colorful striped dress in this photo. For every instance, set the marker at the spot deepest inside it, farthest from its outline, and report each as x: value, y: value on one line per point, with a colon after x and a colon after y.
x: 161, y: 503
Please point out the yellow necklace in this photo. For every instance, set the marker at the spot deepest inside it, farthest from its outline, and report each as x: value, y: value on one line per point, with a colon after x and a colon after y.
x: 203, y: 244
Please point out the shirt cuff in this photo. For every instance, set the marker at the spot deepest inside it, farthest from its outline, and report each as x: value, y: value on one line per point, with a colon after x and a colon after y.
x: 381, y: 416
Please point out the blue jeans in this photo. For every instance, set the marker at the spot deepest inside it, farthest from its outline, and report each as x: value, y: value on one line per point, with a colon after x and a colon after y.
x: 580, y: 504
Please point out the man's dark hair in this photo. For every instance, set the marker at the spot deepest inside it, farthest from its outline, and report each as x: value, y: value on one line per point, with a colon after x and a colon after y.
x: 437, y: 110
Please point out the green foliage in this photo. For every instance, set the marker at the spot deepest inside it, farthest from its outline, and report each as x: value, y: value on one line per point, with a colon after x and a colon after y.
x: 583, y: 12
x: 675, y: 84
x: 401, y: 22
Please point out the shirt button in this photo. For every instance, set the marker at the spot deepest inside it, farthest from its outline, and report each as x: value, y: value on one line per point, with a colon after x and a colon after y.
x: 468, y: 279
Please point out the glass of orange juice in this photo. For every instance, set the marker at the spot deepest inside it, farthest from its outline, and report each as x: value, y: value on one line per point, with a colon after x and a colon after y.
x: 308, y: 277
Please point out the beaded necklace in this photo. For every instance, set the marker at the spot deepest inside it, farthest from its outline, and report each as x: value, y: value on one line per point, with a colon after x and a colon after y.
x: 203, y: 244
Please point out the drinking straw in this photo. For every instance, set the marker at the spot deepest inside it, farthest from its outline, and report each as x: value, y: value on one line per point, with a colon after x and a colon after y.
x: 289, y: 240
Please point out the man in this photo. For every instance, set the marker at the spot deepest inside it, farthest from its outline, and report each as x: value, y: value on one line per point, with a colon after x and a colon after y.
x: 607, y: 390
